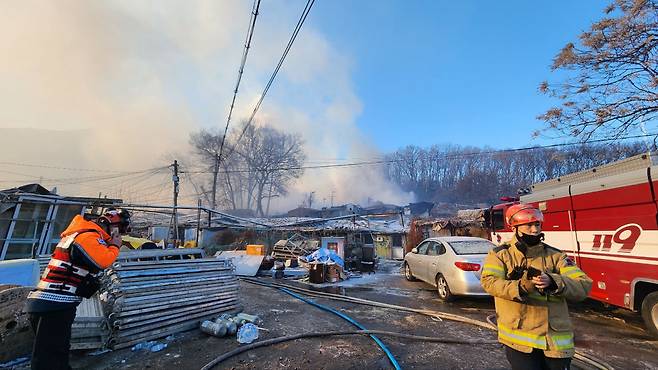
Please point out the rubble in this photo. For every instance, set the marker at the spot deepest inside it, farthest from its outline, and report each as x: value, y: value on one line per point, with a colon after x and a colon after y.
x: 15, y: 334
x: 247, y: 333
x: 324, y: 265
x: 227, y: 324
x: 245, y: 264
x: 153, y: 346
x: 293, y: 249
x: 324, y: 255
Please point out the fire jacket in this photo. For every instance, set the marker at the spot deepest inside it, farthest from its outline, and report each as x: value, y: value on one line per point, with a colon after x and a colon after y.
x: 83, y: 250
x: 528, y: 320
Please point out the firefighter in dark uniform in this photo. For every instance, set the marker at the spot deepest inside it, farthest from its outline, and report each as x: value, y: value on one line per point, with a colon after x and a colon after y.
x: 86, y: 248
x: 531, y: 283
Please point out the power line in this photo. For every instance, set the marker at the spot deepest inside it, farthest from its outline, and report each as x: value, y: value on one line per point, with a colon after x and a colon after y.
x: 130, y: 181
x: 295, y: 32
x: 82, y: 180
x: 204, y: 169
x: 72, y: 180
x: 164, y: 185
x: 118, y: 187
x: 335, y: 165
x: 20, y: 174
x: 129, y: 186
x: 247, y: 45
x: 454, y: 156
x: 548, y: 146
x: 60, y: 168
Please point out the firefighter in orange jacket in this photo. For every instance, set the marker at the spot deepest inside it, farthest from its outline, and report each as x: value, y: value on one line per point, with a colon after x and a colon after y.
x: 86, y: 248
x: 531, y: 282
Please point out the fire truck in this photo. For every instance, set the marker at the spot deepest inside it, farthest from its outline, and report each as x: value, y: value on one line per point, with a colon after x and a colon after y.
x: 605, y: 219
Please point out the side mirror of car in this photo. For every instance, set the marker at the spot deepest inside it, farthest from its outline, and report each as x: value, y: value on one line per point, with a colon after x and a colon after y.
x: 414, y: 250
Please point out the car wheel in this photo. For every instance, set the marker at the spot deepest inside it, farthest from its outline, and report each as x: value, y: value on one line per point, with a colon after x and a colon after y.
x: 443, y: 289
x: 650, y: 313
x: 407, y: 273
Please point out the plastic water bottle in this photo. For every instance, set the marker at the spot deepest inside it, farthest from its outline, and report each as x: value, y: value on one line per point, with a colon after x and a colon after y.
x: 247, y: 333
x: 143, y: 345
x: 158, y: 347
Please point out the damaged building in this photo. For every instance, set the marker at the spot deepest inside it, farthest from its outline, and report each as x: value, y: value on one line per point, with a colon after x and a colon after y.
x: 32, y: 217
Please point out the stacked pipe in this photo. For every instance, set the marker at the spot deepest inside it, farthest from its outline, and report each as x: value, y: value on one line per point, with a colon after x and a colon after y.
x: 153, y: 299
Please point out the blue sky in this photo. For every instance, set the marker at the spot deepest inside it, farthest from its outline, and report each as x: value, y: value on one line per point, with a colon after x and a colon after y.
x: 462, y: 72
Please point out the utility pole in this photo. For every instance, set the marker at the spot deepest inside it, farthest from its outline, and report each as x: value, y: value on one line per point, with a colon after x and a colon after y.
x: 198, y: 223
x: 332, y: 198
x: 310, y: 199
x: 176, y: 179
x: 214, y: 182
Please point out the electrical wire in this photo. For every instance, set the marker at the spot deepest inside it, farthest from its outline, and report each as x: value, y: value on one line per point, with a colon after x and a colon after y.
x: 135, y: 192
x: 81, y: 180
x: 335, y: 165
x: 444, y: 157
x: 293, y: 37
x: 243, y: 61
x: 60, y: 168
x: 137, y: 176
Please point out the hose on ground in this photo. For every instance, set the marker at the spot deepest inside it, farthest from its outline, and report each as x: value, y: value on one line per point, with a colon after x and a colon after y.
x: 381, y: 344
x: 490, y: 319
x: 431, y: 313
x: 287, y: 338
x: 594, y: 363
x: 579, y: 356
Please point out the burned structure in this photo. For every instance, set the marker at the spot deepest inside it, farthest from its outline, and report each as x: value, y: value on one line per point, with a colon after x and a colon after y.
x: 31, y: 219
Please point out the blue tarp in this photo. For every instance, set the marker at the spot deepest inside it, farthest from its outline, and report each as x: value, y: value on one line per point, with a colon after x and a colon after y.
x: 19, y: 272
x: 324, y: 255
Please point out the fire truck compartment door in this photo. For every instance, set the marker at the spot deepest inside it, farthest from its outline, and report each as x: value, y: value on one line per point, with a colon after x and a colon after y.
x: 615, y: 221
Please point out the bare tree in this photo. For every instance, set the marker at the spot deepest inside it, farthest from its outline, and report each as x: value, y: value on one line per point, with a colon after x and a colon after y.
x: 469, y: 175
x: 206, y: 145
x: 258, y: 164
x: 613, y: 75
x: 274, y: 159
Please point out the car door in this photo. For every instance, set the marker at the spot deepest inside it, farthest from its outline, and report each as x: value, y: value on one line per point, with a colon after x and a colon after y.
x: 419, y: 261
x: 434, y: 261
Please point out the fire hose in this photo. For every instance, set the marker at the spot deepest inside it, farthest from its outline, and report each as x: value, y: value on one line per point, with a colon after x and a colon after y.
x: 381, y: 345
x: 287, y: 338
x: 578, y: 357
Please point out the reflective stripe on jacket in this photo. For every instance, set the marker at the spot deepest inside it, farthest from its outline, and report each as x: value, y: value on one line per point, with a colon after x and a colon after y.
x: 528, y: 320
x: 82, y: 250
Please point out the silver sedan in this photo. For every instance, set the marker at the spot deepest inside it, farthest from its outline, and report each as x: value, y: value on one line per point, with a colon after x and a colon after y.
x: 453, y: 264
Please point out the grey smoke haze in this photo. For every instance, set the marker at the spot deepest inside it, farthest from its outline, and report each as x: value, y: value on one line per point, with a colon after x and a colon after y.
x: 121, y: 84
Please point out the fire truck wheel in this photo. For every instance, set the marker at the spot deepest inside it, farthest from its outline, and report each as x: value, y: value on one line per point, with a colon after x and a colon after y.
x: 407, y: 273
x: 650, y: 313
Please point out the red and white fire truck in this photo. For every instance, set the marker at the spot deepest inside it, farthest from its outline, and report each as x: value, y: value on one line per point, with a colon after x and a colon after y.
x: 606, y: 219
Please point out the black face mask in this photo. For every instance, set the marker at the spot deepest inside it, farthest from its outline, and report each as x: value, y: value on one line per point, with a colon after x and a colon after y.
x: 530, y: 240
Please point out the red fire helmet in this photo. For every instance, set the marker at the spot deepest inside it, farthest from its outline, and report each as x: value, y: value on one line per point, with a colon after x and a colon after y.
x: 116, y: 217
x: 521, y: 214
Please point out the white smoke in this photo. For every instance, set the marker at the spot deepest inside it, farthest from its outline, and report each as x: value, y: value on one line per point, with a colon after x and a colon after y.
x: 119, y: 85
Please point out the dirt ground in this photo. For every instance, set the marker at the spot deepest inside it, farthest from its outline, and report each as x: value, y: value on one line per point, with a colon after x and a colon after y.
x: 614, y: 335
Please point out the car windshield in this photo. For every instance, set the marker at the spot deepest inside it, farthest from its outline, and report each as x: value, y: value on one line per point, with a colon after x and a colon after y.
x: 471, y: 246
